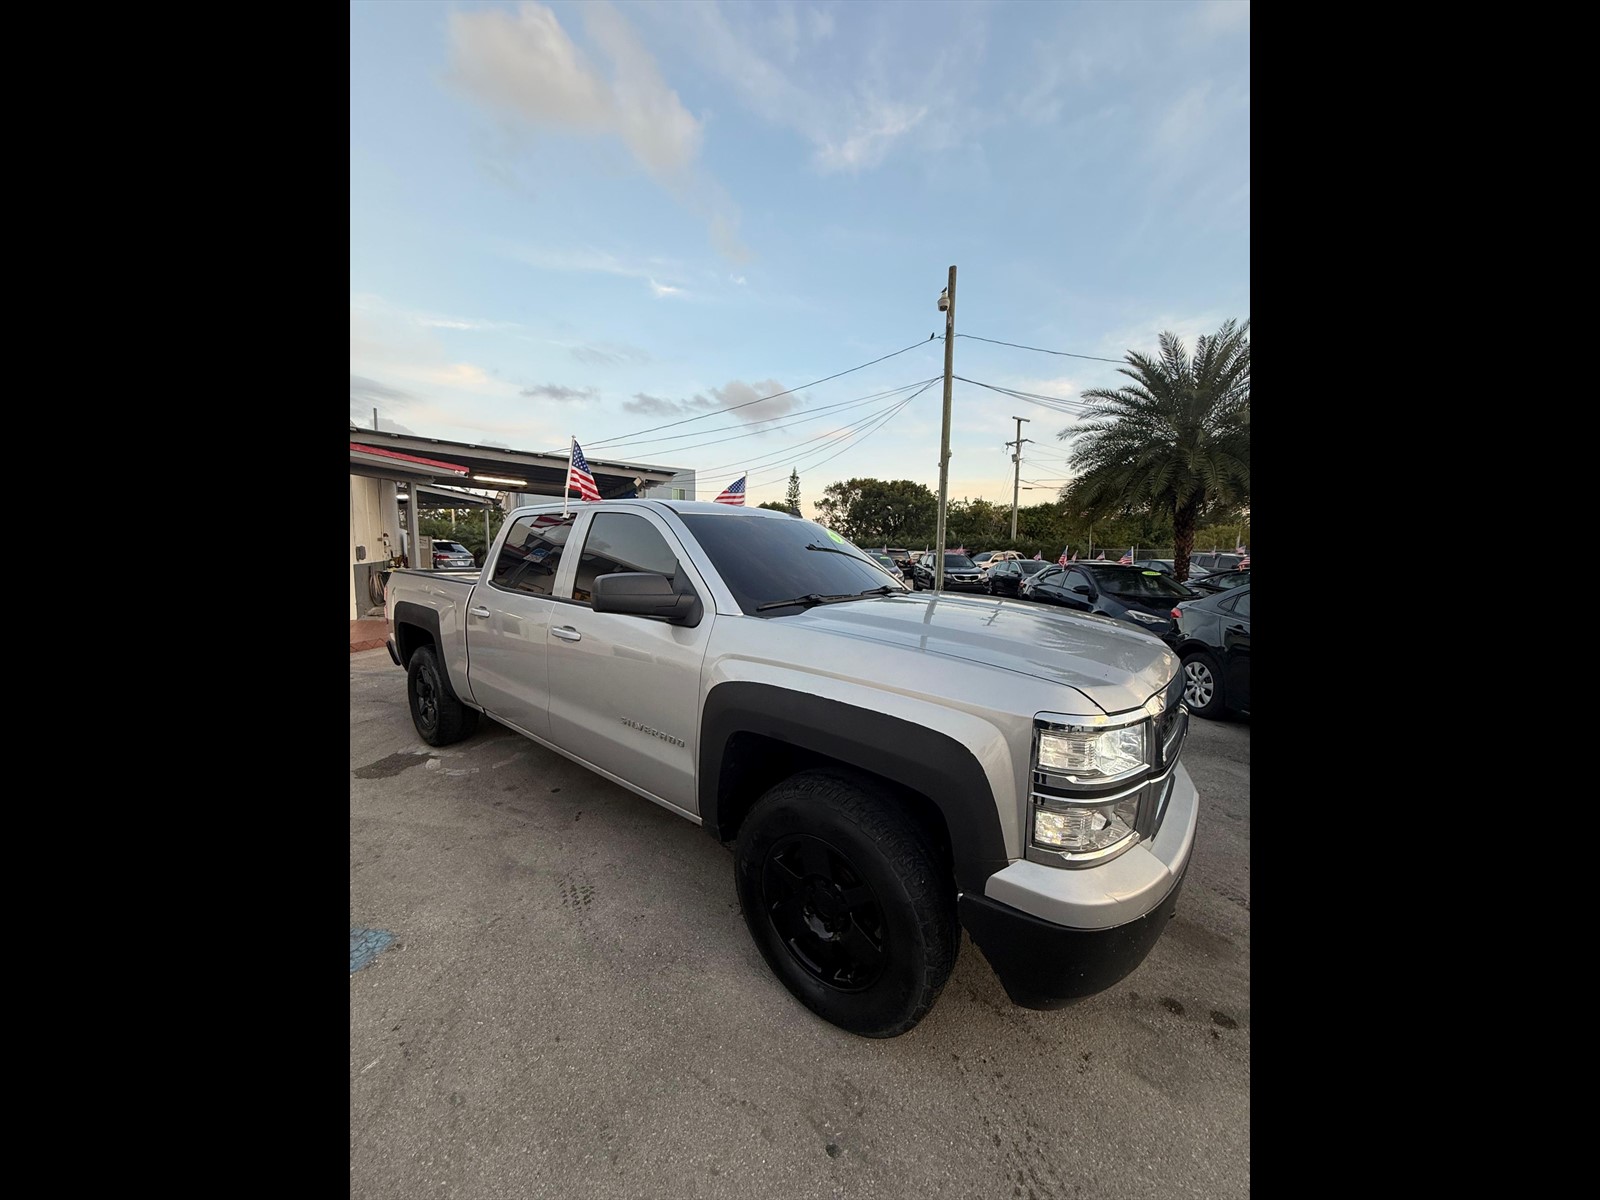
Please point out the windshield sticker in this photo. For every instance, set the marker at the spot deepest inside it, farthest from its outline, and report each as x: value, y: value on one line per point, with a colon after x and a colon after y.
x: 1151, y: 572
x: 834, y: 536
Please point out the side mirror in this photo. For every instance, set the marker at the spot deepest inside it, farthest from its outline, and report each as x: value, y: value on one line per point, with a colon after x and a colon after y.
x: 644, y: 594
x: 1083, y: 589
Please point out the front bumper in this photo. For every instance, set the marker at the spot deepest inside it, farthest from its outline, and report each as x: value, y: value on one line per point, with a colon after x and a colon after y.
x: 394, y: 652
x: 1055, y: 935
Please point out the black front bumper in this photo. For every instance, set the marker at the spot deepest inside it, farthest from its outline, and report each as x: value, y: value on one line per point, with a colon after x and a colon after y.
x: 394, y: 652
x: 1043, y: 965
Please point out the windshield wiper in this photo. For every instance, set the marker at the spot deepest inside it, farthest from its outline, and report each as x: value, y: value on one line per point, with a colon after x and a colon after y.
x: 815, y: 598
x: 805, y: 601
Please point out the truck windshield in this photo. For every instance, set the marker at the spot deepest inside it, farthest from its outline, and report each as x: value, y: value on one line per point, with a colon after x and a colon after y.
x: 764, y: 560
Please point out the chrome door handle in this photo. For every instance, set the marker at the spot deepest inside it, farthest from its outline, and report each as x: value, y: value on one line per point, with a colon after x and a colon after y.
x: 567, y: 633
x: 480, y: 611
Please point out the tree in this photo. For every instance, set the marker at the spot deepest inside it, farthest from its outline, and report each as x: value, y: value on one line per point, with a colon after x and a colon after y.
x: 794, y: 491
x: 774, y: 506
x: 1174, y: 442
x: 876, y: 512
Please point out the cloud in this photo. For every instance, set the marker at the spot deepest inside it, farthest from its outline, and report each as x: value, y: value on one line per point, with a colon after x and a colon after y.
x: 525, y: 66
x: 662, y: 289
x: 855, y: 99
x: 553, y: 391
x: 605, y: 354
x: 736, y: 394
x: 368, y: 394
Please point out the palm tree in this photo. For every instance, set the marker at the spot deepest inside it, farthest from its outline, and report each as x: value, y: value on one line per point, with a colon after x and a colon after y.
x: 1176, y: 440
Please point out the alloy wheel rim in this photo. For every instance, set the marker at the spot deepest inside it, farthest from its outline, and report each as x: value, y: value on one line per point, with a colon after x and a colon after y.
x: 1198, y: 684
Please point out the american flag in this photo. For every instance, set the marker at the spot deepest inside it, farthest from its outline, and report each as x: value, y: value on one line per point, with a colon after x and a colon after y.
x: 1074, y: 558
x: 1062, y: 561
x: 1101, y: 557
x: 1127, y: 559
x: 733, y: 493
x: 1244, y: 563
x: 1240, y: 550
x: 578, y: 475
x: 1037, y: 555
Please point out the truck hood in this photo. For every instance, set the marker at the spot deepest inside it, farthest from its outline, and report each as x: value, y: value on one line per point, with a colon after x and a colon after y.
x: 1116, y: 667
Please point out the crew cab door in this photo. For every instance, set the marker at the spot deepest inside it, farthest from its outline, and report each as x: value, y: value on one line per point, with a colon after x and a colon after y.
x: 625, y: 689
x: 508, y: 622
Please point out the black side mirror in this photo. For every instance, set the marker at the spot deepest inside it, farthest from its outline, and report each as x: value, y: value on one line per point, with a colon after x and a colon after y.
x: 645, y: 594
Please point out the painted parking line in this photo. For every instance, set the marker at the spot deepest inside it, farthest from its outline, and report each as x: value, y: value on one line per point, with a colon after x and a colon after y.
x: 365, y: 945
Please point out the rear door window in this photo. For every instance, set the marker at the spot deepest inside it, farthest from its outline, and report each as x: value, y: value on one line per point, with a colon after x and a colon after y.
x: 528, y: 557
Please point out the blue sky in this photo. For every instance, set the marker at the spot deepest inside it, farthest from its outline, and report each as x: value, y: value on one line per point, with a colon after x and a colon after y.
x: 628, y: 221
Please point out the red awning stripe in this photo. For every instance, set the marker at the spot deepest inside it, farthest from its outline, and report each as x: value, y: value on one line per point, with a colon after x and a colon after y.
x: 410, y: 458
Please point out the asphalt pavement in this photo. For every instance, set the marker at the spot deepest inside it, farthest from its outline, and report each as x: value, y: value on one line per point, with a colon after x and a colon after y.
x: 553, y: 994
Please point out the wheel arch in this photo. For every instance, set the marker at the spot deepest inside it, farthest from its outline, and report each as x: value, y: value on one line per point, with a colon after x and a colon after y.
x: 753, y: 735
x: 416, y: 625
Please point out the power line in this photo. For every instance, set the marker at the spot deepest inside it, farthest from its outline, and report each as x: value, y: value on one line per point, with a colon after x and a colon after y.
x: 787, y: 452
x: 1041, y: 350
x: 771, y: 426
x: 865, y: 433
x: 1057, y: 403
x: 758, y: 400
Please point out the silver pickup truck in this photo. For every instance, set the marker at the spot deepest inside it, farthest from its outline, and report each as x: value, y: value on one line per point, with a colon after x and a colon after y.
x: 888, y: 766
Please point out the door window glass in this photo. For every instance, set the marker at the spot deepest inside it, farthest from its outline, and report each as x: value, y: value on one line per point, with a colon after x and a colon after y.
x: 529, y: 555
x: 621, y: 542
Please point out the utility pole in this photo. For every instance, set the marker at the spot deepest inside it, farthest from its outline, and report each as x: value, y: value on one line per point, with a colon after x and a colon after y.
x: 1016, y: 475
x: 947, y: 303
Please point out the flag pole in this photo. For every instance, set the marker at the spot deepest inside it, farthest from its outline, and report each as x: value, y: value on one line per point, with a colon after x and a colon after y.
x: 567, y: 487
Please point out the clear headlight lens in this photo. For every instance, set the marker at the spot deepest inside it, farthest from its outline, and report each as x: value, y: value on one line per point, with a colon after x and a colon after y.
x: 1097, y: 755
x: 1145, y: 617
x: 1085, y: 829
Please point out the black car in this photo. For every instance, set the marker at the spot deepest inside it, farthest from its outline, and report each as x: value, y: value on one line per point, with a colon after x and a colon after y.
x: 1005, y: 578
x: 1137, y: 596
x: 886, y: 561
x: 1213, y: 639
x: 1207, y: 564
x: 961, y: 574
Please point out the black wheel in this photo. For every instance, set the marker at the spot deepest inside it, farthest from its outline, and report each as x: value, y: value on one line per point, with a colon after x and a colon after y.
x: 1202, y: 684
x: 848, y: 901
x: 440, y: 718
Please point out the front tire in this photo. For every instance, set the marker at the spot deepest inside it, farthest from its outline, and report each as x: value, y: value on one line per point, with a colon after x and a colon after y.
x: 440, y: 718
x: 1202, y: 685
x: 848, y: 902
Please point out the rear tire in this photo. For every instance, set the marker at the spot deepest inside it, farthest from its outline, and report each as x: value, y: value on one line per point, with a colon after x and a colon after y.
x: 848, y: 901
x: 440, y: 718
x: 1202, y: 685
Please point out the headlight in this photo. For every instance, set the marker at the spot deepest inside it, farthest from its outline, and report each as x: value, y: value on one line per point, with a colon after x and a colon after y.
x: 1087, y: 788
x: 1082, y: 828
x: 1145, y: 617
x: 1094, y: 755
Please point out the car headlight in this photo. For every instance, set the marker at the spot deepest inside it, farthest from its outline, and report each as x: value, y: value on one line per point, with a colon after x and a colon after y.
x: 1094, y: 755
x: 1145, y: 617
x: 1088, y: 785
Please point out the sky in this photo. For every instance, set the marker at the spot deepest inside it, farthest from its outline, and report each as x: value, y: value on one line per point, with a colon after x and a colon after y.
x: 660, y: 228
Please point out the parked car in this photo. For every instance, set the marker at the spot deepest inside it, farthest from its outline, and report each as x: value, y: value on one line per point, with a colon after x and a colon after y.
x: 1140, y: 597
x: 988, y: 558
x: 961, y: 574
x: 886, y: 561
x: 1164, y: 565
x: 452, y: 556
x: 903, y: 558
x: 1006, y: 578
x: 1210, y: 564
x: 1222, y: 581
x: 1212, y: 637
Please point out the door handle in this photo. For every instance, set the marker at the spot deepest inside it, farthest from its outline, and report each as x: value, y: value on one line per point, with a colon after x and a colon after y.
x: 481, y: 611
x: 1237, y: 629
x: 567, y: 633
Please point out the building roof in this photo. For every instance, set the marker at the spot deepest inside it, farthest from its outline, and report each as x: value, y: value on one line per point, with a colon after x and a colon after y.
x: 427, y: 463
